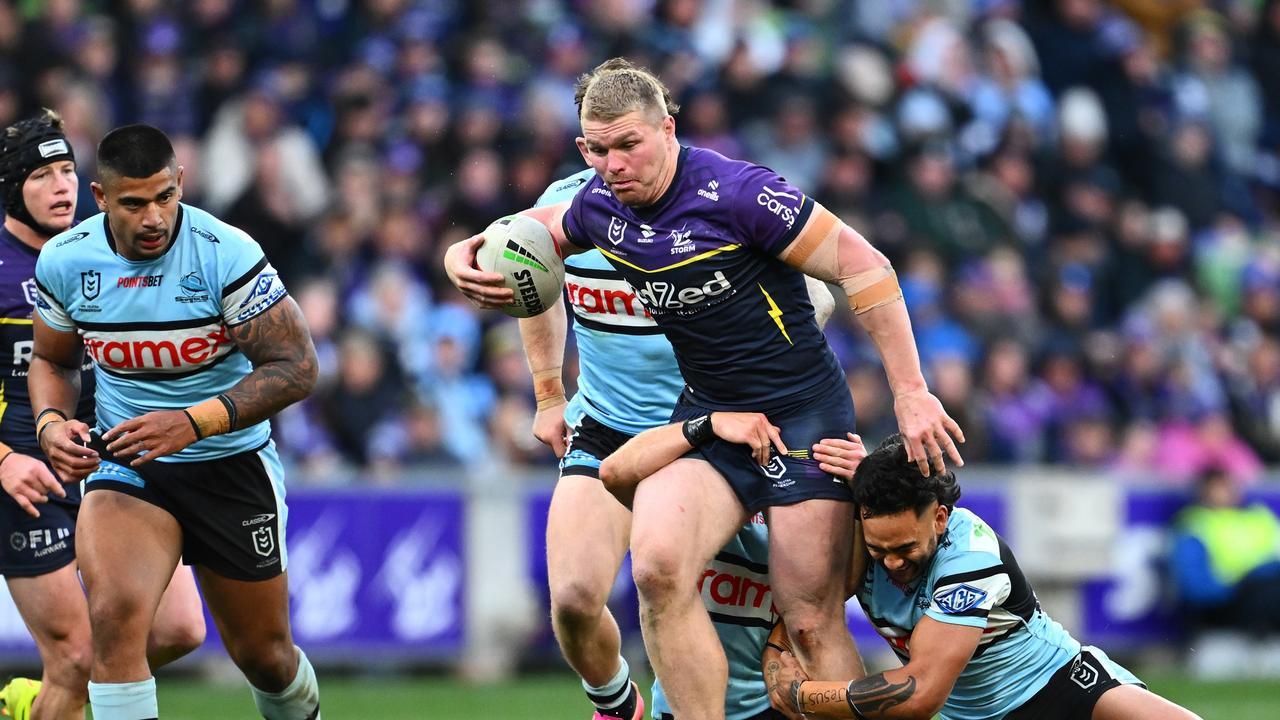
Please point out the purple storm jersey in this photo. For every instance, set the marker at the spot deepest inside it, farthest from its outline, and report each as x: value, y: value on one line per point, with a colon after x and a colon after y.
x: 18, y: 299
x: 704, y: 261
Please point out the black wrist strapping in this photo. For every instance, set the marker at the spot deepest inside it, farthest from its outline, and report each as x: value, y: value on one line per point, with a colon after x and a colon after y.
x: 194, y: 426
x: 698, y: 431
x: 232, y: 413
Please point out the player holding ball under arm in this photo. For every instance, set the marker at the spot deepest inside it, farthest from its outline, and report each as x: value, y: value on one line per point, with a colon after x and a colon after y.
x: 716, y: 249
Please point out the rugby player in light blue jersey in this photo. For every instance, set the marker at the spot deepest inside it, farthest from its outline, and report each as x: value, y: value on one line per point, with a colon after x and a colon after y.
x: 38, y: 186
x: 628, y: 382
x: 195, y: 344
x: 947, y: 594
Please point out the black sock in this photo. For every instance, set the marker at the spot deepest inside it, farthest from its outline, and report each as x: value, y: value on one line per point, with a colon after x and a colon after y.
x: 626, y: 708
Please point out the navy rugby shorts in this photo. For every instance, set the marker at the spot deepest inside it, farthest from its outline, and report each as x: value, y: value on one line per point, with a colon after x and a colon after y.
x: 38, y: 546
x: 590, y: 443
x: 231, y: 510
x: 787, y: 479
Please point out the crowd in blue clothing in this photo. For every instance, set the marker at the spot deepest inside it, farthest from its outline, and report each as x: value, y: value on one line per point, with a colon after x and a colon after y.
x: 1082, y: 198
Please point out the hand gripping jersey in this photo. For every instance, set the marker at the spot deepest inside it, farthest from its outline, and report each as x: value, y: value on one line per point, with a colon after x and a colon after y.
x: 18, y: 299
x: 735, y: 589
x: 974, y: 580
x: 628, y: 378
x: 156, y: 330
x: 703, y: 260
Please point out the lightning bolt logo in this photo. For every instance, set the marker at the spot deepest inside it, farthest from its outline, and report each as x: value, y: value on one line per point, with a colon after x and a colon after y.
x: 776, y: 313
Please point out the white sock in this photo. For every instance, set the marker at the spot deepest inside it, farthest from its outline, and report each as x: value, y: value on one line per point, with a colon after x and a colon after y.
x: 613, y: 693
x: 124, y: 701
x: 299, y: 701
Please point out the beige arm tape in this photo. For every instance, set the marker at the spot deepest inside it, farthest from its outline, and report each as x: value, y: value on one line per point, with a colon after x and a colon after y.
x: 211, y: 417
x: 548, y: 388
x: 816, y: 252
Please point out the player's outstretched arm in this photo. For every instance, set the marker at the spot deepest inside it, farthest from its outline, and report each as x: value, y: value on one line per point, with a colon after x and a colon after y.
x: 829, y: 250
x: 285, y: 368
x: 53, y: 381
x: 485, y: 289
x: 919, y: 689
x: 543, y: 337
x: 654, y: 449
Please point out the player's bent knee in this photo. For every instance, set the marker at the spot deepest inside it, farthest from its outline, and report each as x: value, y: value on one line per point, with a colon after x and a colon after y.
x: 181, y: 636
x: 68, y: 663
x: 577, y: 601
x: 268, y: 666
x: 660, y: 576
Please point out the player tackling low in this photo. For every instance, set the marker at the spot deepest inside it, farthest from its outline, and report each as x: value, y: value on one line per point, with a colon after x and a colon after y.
x: 947, y: 594
x: 195, y: 343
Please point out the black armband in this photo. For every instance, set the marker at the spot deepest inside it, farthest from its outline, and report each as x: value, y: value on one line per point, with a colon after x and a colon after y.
x: 698, y: 431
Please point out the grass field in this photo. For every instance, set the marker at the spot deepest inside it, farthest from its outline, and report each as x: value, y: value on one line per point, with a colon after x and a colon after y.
x: 556, y: 697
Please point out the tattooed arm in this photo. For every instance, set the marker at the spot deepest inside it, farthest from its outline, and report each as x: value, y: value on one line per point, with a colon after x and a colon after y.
x: 285, y: 368
x: 278, y: 345
x: 939, y: 653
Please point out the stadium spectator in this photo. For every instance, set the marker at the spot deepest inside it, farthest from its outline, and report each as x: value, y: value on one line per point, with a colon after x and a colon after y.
x: 1225, y: 562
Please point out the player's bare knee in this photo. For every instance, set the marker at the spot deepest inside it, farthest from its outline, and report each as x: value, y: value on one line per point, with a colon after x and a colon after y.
x: 269, y: 667
x: 576, y: 602
x: 181, y: 635
x: 67, y: 665
x: 659, y: 575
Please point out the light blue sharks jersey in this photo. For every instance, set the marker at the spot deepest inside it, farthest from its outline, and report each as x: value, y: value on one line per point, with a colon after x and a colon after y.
x: 974, y: 580
x: 628, y: 378
x: 156, y: 330
x: 735, y: 588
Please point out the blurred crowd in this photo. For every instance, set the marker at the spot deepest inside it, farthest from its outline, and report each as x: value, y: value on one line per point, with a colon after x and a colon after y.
x: 1082, y: 198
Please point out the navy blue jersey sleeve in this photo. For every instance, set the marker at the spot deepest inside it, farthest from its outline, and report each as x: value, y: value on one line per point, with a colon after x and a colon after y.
x: 768, y: 211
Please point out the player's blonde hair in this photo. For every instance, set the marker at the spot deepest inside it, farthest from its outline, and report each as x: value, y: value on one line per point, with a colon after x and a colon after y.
x: 616, y: 87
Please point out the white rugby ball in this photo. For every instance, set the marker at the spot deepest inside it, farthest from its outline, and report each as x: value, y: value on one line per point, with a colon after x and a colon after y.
x: 522, y: 250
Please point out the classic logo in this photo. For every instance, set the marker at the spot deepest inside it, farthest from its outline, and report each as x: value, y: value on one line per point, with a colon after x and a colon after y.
x: 90, y: 284
x: 264, y: 541
x: 1083, y: 673
x: 711, y: 194
x: 193, y: 288
x: 71, y: 239
x: 664, y: 295
x: 205, y: 234
x: 772, y: 200
x: 617, y: 230
x: 959, y: 599
x: 258, y: 519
